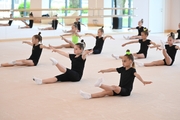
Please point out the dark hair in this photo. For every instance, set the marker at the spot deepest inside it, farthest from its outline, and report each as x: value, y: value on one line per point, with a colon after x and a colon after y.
x: 142, y: 21
x: 38, y: 36
x: 145, y: 31
x: 130, y: 57
x: 81, y: 45
x: 31, y: 14
x: 172, y: 35
x: 101, y: 29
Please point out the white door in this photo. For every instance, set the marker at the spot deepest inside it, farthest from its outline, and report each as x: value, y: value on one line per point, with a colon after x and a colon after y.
x: 156, y: 16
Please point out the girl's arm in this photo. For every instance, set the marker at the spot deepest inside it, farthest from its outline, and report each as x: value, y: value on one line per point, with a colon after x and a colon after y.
x: 67, y: 34
x: 29, y: 43
x: 78, y: 35
x: 24, y: 22
x: 108, y: 70
x: 153, y: 43
x: 43, y: 46
x: 131, y: 28
x: 84, y: 55
x: 177, y: 47
x: 91, y: 34
x: 108, y: 36
x: 60, y: 52
x: 139, y: 77
x: 131, y: 42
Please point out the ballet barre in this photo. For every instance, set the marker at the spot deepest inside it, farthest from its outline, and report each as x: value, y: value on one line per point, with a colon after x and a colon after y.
x: 76, y: 9
x: 66, y: 17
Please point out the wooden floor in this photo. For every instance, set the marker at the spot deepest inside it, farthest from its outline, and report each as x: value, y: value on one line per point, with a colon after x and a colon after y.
x: 22, y: 99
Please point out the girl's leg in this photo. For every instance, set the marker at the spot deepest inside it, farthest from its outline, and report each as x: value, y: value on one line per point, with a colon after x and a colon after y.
x: 19, y: 63
x: 61, y: 46
x: 96, y: 95
x: 154, y: 63
x: 4, y: 24
x: 24, y: 63
x: 48, y: 28
x: 45, y: 81
x: 167, y: 57
x: 49, y: 80
x: 60, y: 67
x: 70, y: 43
x: 138, y: 56
x: 117, y: 57
x: 24, y: 27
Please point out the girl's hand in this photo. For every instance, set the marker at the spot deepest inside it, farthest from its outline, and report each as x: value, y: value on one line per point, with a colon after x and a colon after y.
x: 86, y: 34
x: 147, y: 82
x: 129, y: 29
x: 101, y: 71
x: 123, y: 45
x: 112, y: 38
x: 23, y: 41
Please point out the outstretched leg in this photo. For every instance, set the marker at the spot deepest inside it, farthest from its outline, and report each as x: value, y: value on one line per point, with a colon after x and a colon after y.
x: 135, y: 37
x: 138, y: 56
x: 18, y: 63
x: 60, y: 67
x: 45, y: 81
x: 68, y: 41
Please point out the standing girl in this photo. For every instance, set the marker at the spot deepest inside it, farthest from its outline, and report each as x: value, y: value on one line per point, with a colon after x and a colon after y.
x: 35, y: 56
x: 144, y: 46
x: 128, y: 73
x: 31, y: 21
x: 139, y: 28
x: 74, y: 74
x: 169, y: 53
x: 99, y: 41
x: 70, y: 44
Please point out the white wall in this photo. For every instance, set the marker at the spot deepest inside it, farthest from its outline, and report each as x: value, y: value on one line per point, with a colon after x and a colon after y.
x: 142, y: 11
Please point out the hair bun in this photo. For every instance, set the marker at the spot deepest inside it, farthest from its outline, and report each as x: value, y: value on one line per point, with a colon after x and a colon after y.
x: 82, y: 41
x: 128, y: 52
x: 39, y: 33
x: 102, y: 27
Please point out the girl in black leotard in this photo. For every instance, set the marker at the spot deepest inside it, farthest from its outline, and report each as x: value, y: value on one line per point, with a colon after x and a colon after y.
x: 99, y: 41
x: 54, y: 24
x: 128, y: 73
x: 31, y: 22
x: 139, y: 28
x: 35, y: 56
x: 144, y: 46
x: 178, y: 37
x: 9, y: 23
x: 74, y: 74
x: 169, y: 53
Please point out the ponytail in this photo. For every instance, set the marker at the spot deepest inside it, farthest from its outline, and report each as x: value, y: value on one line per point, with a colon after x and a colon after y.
x: 142, y: 21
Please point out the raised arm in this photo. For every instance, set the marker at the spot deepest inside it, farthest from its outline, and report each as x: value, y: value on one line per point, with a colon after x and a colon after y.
x: 29, y: 43
x: 131, y: 42
x: 24, y: 22
x: 108, y: 36
x: 108, y: 70
x: 60, y: 52
x: 91, y: 34
x: 78, y: 35
x: 84, y: 55
x: 139, y: 77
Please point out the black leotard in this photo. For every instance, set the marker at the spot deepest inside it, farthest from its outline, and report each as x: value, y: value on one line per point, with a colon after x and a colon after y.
x: 178, y: 31
x: 75, y: 73
x: 126, y: 81
x: 10, y: 22
x: 99, y: 45
x: 36, y: 53
x: 54, y: 24
x: 31, y: 23
x: 140, y: 29
x: 171, y: 51
x: 144, y: 47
